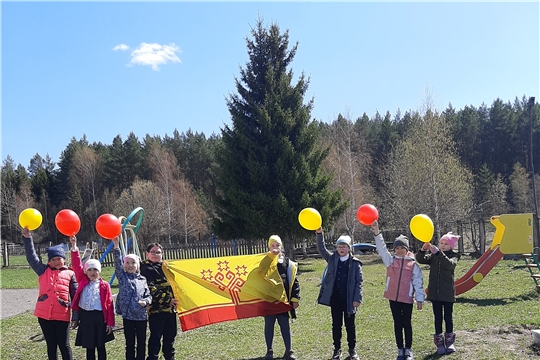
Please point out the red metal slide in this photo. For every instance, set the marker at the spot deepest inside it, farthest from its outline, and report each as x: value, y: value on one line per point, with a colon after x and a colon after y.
x: 479, y: 270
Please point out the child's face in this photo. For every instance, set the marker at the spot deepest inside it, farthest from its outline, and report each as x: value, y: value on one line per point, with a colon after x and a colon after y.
x: 342, y: 249
x: 93, y: 274
x: 57, y: 262
x: 130, y: 266
x: 444, y: 245
x: 400, y: 251
x: 155, y: 254
x: 275, y: 247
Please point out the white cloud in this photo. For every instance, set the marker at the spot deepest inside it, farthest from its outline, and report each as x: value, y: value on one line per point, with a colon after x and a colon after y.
x: 121, y: 47
x: 154, y: 55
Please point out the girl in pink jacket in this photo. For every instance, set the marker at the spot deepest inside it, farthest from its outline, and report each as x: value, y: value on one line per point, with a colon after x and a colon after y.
x: 94, y: 303
x: 404, y: 282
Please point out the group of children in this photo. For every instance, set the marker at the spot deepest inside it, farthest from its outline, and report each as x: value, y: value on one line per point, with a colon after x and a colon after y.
x: 145, y: 296
x: 142, y: 286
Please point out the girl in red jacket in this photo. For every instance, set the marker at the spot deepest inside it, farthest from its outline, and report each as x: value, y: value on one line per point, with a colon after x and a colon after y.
x: 57, y: 285
x: 94, y: 302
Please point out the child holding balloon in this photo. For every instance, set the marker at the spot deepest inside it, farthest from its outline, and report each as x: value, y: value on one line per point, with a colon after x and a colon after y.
x: 57, y: 285
x: 94, y: 302
x: 132, y: 301
x: 341, y: 289
x: 404, y: 284
x: 441, y: 290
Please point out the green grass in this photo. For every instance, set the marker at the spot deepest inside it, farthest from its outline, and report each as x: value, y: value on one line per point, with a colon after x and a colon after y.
x: 493, y: 321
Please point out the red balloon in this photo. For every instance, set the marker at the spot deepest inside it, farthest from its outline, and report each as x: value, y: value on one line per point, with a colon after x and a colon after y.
x: 67, y: 222
x: 367, y: 214
x: 108, y: 226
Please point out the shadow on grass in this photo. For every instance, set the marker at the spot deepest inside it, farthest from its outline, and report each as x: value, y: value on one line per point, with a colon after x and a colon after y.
x: 37, y: 338
x: 497, y: 302
x: 433, y: 356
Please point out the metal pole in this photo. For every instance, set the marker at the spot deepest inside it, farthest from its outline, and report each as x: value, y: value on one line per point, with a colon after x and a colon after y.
x: 535, y: 199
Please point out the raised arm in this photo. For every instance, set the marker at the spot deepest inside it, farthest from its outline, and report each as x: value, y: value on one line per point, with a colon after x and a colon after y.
x: 118, y: 264
x: 325, y: 253
x: 34, y: 261
x: 76, y: 264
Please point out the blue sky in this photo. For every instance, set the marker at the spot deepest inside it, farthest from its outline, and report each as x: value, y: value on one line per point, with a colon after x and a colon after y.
x: 109, y: 68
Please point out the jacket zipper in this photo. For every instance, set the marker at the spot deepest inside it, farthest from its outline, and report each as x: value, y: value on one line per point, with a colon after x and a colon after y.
x: 399, y: 279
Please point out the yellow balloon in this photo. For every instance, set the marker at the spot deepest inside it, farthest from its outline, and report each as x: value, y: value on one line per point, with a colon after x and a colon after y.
x: 30, y: 218
x: 422, y: 227
x: 310, y: 219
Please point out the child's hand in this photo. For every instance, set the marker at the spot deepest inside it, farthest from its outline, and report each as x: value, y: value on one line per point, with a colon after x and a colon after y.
x: 355, y: 304
x: 419, y: 305
x: 426, y: 246
x: 109, y: 330
x: 173, y: 303
x: 319, y: 230
x: 142, y: 303
x: 26, y: 233
x: 375, y: 227
x: 295, y: 305
x: 73, y: 240
x: 74, y: 324
x: 115, y: 242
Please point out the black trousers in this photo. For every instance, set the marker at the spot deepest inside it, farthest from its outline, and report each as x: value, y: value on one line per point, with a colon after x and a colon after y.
x: 443, y: 309
x: 135, y: 335
x: 56, y: 334
x: 339, y: 315
x: 402, y: 314
x: 162, y: 325
x: 284, y: 326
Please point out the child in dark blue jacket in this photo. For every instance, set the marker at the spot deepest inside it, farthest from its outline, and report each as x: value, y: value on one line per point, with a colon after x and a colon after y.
x: 341, y: 289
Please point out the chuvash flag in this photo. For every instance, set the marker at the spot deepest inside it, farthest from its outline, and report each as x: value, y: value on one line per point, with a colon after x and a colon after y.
x: 214, y: 290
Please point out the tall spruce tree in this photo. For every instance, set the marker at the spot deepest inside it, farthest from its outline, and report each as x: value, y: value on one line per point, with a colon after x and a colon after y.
x: 269, y: 164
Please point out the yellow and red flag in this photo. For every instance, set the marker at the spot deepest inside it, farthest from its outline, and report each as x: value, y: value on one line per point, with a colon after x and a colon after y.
x: 228, y: 288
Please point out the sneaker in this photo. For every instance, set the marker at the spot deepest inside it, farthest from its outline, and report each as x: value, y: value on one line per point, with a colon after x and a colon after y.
x: 337, y: 354
x: 269, y: 355
x: 289, y: 355
x: 353, y: 355
x: 400, y: 354
x: 408, y: 354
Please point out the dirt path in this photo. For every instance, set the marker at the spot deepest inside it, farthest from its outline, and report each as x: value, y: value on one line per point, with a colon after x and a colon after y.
x: 16, y: 301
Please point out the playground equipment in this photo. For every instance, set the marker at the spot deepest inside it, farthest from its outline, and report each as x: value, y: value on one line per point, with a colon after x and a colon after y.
x: 513, y: 235
x: 127, y: 237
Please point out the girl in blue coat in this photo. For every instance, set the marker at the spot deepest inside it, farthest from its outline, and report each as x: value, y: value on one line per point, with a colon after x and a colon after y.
x: 341, y: 289
x: 131, y: 302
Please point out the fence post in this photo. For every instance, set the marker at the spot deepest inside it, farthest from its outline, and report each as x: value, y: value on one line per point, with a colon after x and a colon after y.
x: 482, y: 231
x: 461, y: 248
x: 213, y: 246
x: 5, y: 254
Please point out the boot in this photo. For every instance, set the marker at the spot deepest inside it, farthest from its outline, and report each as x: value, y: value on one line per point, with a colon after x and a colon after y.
x: 450, y: 338
x: 269, y: 355
x: 289, y: 355
x: 438, y: 339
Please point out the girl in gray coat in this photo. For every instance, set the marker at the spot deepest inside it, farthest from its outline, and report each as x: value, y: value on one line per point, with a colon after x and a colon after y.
x: 131, y: 302
x: 341, y: 289
x: 441, y: 290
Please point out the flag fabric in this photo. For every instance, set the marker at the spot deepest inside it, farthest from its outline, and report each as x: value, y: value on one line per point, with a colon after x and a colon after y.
x: 213, y: 290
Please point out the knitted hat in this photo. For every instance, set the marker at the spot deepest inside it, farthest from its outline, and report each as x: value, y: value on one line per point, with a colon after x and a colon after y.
x: 54, y: 251
x: 92, y: 264
x: 403, y: 241
x: 450, y: 238
x: 344, y: 239
x: 274, y: 238
x: 135, y: 258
